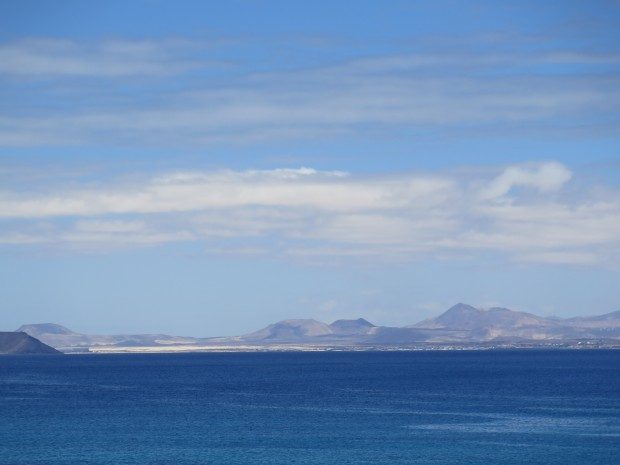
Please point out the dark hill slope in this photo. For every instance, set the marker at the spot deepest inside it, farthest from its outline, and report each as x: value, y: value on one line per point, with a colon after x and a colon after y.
x: 14, y: 343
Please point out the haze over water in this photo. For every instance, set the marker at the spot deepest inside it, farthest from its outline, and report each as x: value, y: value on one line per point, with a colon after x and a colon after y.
x: 497, y: 407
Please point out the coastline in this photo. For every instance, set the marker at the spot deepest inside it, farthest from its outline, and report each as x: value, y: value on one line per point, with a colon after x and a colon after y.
x: 327, y: 348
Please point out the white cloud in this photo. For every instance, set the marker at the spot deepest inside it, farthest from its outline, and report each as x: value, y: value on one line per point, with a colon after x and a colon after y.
x: 182, y: 192
x: 309, y: 214
x: 546, y: 177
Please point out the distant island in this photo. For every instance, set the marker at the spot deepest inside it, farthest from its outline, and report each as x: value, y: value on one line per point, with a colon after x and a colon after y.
x: 20, y: 343
x: 460, y: 327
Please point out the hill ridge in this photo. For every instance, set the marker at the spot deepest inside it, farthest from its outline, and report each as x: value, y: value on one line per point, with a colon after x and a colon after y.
x: 461, y: 323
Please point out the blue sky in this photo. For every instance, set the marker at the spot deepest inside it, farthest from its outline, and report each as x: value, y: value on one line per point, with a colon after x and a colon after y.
x: 206, y: 169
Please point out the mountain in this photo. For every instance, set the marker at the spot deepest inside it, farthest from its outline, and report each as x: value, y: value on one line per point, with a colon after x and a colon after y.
x: 351, y: 327
x: 67, y: 340
x: 466, y: 317
x: 290, y: 331
x: 607, y: 320
x: 461, y: 324
x: 501, y: 323
x: 613, y: 316
x: 301, y: 331
x: 20, y: 343
x: 56, y: 335
x: 45, y: 328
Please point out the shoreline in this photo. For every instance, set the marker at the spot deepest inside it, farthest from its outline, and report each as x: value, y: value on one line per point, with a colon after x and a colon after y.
x: 305, y: 348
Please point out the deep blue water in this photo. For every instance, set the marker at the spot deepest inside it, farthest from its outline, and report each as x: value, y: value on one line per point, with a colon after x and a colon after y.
x: 496, y: 407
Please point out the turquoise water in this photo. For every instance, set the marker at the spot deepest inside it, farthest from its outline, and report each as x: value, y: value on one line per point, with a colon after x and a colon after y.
x: 496, y: 407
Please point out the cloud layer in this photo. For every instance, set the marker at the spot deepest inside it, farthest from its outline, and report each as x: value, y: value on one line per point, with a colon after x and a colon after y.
x: 526, y: 213
x: 179, y: 92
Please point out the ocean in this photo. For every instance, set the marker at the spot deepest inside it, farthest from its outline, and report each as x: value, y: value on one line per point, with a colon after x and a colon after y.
x: 375, y: 408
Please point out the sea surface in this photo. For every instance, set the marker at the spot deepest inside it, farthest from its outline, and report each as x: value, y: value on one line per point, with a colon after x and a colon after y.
x: 481, y: 407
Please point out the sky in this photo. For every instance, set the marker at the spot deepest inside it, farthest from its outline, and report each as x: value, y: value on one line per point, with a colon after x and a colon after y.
x: 207, y: 168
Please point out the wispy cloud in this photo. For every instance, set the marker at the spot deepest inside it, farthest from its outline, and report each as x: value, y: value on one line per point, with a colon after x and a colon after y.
x: 430, y: 90
x: 45, y: 58
x: 524, y: 212
x: 548, y: 177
